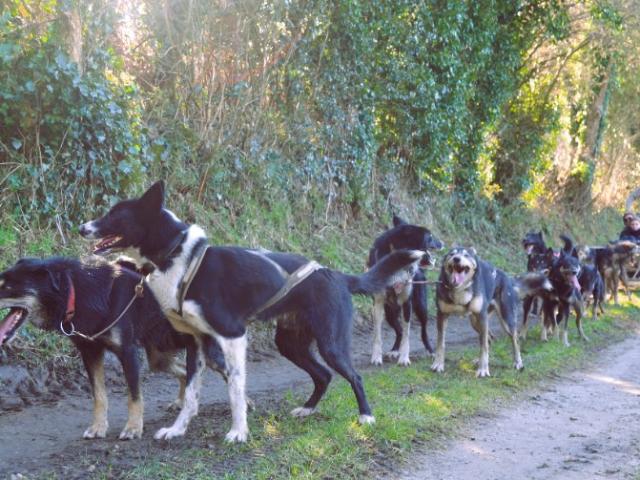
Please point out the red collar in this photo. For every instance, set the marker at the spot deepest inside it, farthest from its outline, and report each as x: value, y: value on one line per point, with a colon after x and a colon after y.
x: 71, y: 302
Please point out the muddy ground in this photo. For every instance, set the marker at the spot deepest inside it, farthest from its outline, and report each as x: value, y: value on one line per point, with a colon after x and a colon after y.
x: 46, y: 435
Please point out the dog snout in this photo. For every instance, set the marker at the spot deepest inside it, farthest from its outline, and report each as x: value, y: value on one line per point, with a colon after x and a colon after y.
x: 456, y: 260
x: 86, y: 229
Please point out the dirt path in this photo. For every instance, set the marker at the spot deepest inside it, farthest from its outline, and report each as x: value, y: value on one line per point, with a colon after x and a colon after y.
x: 42, y: 435
x: 584, y: 426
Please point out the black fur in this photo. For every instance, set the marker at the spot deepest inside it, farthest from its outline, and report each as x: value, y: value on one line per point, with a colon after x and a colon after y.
x: 533, y: 242
x: 564, y: 277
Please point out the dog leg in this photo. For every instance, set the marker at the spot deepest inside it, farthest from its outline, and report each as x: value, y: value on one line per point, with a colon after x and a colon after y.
x: 509, y: 325
x: 526, y: 307
x: 392, y: 316
x: 294, y: 345
x: 403, y: 358
x: 579, y: 312
x: 438, y: 362
x: 483, y: 367
x: 235, y: 355
x: 563, y: 323
x: 94, y: 364
x: 378, y: 313
x: 166, y: 362
x: 133, y: 428
x: 419, y: 304
x: 337, y: 354
x: 195, y: 367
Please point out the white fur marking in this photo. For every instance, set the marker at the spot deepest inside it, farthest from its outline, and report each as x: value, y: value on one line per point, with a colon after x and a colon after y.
x: 366, y: 420
x: 235, y: 356
x: 302, y: 412
x: 378, y: 314
x: 403, y: 358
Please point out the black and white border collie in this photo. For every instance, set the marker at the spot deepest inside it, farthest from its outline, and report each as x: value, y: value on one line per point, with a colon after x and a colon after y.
x: 230, y: 286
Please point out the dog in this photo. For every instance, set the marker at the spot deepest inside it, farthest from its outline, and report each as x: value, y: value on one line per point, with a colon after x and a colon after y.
x: 408, y: 296
x: 564, y: 278
x: 469, y: 285
x: 233, y: 285
x: 610, y: 261
x: 84, y: 298
x: 540, y: 263
x: 534, y: 246
x: 533, y: 242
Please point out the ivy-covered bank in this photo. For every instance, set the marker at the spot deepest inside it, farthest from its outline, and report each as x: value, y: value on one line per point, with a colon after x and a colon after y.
x: 321, y: 106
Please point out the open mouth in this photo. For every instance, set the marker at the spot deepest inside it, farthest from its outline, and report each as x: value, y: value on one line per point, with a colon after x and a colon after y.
x: 427, y: 261
x: 459, y: 274
x: 107, y: 244
x: 11, y: 323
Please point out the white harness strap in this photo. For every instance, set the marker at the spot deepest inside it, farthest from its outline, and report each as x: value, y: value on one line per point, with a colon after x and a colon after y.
x: 293, y: 280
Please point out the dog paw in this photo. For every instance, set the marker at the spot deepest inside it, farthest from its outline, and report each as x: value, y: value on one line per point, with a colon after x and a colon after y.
x: 131, y: 432
x: 96, y: 431
x: 518, y: 365
x: 437, y: 366
x: 392, y: 354
x: 302, y: 412
x: 483, y: 372
x: 168, y: 433
x: 404, y: 361
x: 236, y: 436
x: 376, y: 359
x: 366, y: 420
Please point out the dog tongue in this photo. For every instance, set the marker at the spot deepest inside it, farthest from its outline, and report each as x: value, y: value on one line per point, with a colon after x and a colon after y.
x: 458, y: 278
x: 575, y: 283
x: 8, y: 323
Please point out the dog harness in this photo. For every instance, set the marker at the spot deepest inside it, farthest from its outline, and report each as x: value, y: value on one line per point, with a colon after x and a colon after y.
x: 292, y: 280
x: 71, y: 311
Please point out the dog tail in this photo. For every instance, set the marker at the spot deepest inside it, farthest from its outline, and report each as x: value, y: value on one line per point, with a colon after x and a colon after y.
x: 398, y: 266
x: 532, y: 284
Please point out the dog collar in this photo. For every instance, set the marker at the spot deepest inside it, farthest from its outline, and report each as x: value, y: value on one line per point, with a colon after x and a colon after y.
x: 161, y: 257
x: 71, y: 301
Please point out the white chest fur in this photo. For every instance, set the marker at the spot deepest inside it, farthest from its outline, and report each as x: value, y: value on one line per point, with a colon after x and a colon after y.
x: 164, y: 285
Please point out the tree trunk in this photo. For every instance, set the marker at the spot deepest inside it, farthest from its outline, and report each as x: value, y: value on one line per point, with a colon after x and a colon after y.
x: 578, y: 189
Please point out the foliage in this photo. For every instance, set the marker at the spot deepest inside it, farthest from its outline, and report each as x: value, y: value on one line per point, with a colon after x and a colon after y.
x: 69, y: 140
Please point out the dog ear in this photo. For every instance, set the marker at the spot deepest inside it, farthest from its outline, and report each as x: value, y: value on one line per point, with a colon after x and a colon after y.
x: 153, y: 199
x: 398, y: 221
x: 472, y: 251
x: 54, y: 277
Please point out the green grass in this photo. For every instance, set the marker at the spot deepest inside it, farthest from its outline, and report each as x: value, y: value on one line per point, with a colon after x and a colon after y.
x: 413, y: 406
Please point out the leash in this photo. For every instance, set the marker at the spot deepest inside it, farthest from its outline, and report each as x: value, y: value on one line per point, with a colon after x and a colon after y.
x: 425, y: 282
x: 138, y: 293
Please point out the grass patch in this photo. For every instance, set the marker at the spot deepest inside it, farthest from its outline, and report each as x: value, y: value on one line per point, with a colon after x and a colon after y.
x: 412, y: 405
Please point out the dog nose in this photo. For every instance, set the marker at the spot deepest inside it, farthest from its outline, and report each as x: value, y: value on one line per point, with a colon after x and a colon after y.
x: 456, y: 260
x: 84, y: 230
